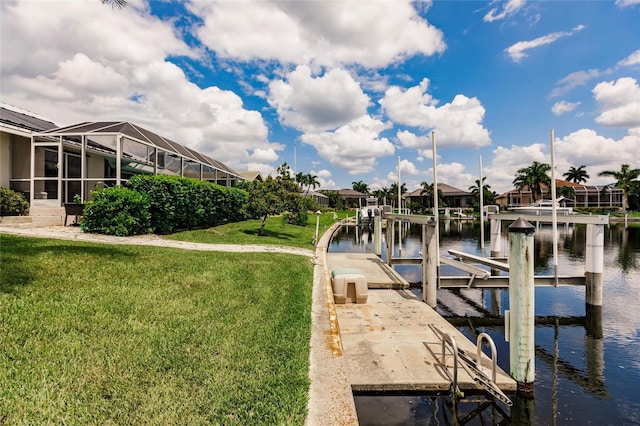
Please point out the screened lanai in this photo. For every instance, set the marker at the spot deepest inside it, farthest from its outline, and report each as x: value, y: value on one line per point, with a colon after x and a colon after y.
x: 75, y: 160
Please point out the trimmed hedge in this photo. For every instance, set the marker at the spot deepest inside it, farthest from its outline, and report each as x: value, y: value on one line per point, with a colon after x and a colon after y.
x: 12, y: 203
x: 183, y: 203
x: 117, y: 211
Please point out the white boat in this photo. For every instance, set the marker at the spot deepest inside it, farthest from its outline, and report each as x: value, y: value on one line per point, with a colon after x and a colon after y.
x: 370, y: 210
x: 543, y: 207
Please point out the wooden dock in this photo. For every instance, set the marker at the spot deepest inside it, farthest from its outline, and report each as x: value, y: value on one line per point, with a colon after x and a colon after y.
x: 393, y: 342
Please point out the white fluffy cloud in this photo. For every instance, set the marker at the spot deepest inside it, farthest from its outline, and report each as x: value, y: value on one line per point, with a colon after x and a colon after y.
x: 91, y: 62
x: 517, y: 51
x: 504, y: 9
x: 372, y: 34
x: 458, y: 123
x: 315, y: 104
x: 598, y: 153
x: 563, y: 107
x: 619, y: 103
x: 633, y: 59
x: 582, y: 147
x: 354, y: 147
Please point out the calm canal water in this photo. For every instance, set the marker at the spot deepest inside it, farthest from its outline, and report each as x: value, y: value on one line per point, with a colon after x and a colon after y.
x: 581, y: 379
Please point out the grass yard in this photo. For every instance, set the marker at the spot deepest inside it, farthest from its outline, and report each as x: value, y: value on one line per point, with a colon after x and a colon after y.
x: 276, y: 232
x: 101, y: 334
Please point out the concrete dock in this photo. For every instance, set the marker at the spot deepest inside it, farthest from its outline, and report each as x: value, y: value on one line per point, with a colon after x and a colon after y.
x: 393, y: 342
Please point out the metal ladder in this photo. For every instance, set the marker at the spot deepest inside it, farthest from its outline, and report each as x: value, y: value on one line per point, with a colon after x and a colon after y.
x: 472, y: 367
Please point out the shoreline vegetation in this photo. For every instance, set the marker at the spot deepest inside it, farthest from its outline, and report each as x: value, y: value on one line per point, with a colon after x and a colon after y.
x: 99, y: 334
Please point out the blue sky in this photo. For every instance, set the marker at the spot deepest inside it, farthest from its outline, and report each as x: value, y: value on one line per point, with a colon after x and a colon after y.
x: 342, y: 89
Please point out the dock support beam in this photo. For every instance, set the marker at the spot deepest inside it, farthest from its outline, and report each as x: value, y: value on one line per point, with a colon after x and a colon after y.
x: 495, y: 237
x: 594, y: 264
x: 522, y: 306
x: 495, y: 242
x: 430, y: 265
x: 594, y: 269
x: 377, y: 235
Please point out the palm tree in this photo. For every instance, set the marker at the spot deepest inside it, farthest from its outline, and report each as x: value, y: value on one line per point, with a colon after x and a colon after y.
x: 578, y: 175
x: 360, y: 186
x: 427, y: 191
x: 114, y: 3
x: 382, y: 194
x: 488, y: 195
x: 394, y: 191
x: 566, y: 192
x: 625, y: 179
x: 533, y: 177
x: 311, y: 181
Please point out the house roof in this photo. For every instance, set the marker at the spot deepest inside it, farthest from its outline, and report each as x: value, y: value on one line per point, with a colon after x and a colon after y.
x: 447, y: 190
x: 24, y: 119
x: 139, y: 133
x: 351, y: 193
x: 250, y: 176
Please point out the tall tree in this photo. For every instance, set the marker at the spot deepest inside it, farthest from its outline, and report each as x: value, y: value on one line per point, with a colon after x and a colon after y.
x: 311, y: 181
x: 335, y: 200
x: 115, y: 3
x: 577, y: 175
x: 625, y: 178
x: 394, y: 191
x: 427, y: 192
x: 383, y: 194
x: 271, y: 197
x: 489, y: 196
x: 284, y: 171
x: 360, y: 186
x: 533, y: 177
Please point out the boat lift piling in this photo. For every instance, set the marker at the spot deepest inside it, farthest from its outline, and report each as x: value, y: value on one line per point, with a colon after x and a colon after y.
x: 520, y: 321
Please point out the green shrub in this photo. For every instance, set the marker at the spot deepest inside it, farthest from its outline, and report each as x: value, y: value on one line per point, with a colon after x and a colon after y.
x: 183, y: 203
x: 300, y: 218
x: 12, y: 203
x: 117, y: 211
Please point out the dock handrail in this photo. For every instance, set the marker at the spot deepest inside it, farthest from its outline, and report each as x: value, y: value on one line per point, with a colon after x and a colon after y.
x: 494, y: 354
x: 446, y: 338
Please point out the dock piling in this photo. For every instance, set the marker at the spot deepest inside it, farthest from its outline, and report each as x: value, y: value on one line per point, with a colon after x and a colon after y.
x: 521, y: 305
x: 594, y: 264
x: 429, y: 265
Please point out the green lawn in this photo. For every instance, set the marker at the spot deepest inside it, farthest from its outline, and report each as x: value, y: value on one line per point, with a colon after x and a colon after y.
x: 276, y: 232
x: 106, y: 334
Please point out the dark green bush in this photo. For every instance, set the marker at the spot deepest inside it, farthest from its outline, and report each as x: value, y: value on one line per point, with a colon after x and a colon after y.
x: 183, y: 203
x: 12, y: 203
x: 117, y: 211
x: 296, y: 218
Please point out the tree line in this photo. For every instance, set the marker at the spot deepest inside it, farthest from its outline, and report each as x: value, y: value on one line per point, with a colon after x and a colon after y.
x: 534, y: 178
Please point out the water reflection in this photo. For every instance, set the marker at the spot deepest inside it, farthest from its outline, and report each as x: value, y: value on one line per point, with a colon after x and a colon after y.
x: 587, y: 364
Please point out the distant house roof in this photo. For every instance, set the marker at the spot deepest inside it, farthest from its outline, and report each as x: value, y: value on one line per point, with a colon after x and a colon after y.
x: 314, y: 194
x: 351, y: 193
x: 24, y: 119
x: 450, y: 191
x: 447, y: 190
x: 251, y: 176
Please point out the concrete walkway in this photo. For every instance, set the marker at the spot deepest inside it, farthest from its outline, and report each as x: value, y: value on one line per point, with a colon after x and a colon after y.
x: 76, y: 234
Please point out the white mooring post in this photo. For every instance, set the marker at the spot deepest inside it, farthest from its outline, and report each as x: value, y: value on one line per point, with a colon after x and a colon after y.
x: 594, y: 269
x: 521, y: 306
x: 377, y: 235
x: 495, y: 241
x: 430, y: 265
x: 594, y: 264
